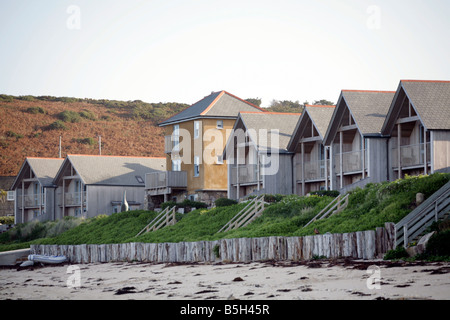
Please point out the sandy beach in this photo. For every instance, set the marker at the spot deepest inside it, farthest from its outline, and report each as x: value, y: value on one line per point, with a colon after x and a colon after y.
x: 341, y: 279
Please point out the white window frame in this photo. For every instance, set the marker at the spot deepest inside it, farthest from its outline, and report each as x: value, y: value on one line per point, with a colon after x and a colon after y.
x: 176, y: 137
x: 219, y: 159
x: 219, y: 124
x: 10, y: 196
x: 196, y: 129
x: 196, y: 166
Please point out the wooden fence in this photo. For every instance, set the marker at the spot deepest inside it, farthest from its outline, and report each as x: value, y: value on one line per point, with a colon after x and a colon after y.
x: 361, y: 245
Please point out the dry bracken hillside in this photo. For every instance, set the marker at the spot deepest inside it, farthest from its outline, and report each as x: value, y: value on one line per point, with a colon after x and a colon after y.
x: 32, y: 127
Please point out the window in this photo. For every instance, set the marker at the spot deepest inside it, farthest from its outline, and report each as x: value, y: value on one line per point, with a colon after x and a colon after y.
x: 193, y: 197
x: 196, y: 129
x: 139, y: 179
x: 219, y: 159
x: 176, y: 165
x: 10, y: 196
x: 219, y: 124
x: 196, y: 166
x: 176, y: 137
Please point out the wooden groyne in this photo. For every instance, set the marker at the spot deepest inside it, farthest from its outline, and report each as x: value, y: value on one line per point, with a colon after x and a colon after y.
x: 360, y: 245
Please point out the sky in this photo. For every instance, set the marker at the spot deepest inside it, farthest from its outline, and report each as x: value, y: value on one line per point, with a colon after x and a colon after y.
x: 181, y: 51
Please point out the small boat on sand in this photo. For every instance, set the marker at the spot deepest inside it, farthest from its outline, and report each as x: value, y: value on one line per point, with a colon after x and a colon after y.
x: 47, y: 259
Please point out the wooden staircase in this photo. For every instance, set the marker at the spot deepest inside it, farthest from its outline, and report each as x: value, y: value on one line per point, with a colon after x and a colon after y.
x: 164, y: 218
x: 436, y: 207
x: 251, y: 211
x: 334, y: 207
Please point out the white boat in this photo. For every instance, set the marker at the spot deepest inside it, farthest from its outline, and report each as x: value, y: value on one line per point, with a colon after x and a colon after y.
x: 47, y: 259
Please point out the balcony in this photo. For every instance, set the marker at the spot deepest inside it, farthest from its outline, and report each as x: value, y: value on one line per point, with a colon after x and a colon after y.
x: 30, y: 201
x: 314, y: 170
x: 72, y: 199
x: 163, y: 182
x: 411, y: 156
x: 351, y: 162
x: 248, y: 174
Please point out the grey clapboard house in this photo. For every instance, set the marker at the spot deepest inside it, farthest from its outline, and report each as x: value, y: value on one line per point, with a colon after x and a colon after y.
x: 34, y: 189
x: 257, y: 156
x: 358, y: 149
x: 92, y: 185
x: 311, y: 162
x: 418, y: 123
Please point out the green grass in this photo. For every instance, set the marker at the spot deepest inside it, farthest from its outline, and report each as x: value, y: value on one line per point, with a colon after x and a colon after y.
x: 368, y: 208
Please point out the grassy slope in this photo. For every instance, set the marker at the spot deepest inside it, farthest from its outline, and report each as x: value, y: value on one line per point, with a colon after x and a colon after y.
x: 368, y: 208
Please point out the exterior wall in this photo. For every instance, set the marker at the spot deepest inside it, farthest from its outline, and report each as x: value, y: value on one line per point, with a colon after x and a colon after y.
x: 441, y: 151
x: 281, y: 182
x: 99, y: 198
x: 6, y: 207
x: 215, y: 175
x: 212, y: 176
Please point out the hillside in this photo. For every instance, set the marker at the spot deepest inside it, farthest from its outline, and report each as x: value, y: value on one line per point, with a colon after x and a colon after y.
x: 31, y: 126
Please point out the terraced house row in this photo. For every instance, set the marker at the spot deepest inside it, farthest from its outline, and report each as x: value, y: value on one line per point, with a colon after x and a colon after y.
x: 224, y: 146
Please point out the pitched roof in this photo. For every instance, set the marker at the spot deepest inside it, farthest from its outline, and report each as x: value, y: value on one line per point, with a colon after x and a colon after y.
x: 430, y: 99
x: 320, y: 116
x: 219, y: 104
x: 112, y: 170
x: 45, y: 170
x: 368, y: 109
x: 263, y: 123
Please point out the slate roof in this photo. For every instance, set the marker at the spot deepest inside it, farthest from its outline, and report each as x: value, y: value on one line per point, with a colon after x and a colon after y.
x: 320, y: 117
x: 112, y: 170
x: 45, y: 170
x: 284, y: 122
x: 368, y: 108
x: 219, y: 104
x: 430, y: 99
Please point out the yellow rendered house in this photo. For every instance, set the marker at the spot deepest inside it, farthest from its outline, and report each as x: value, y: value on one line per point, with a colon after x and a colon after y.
x: 194, y: 142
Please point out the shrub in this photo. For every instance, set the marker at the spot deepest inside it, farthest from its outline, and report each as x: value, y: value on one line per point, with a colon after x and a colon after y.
x: 439, y: 244
x: 7, y: 220
x: 26, y: 98
x: 273, y: 197
x: 88, y: 141
x: 329, y: 193
x: 6, y: 98
x: 186, y: 204
x: 397, y: 253
x: 12, y: 134
x: 36, y: 110
x: 224, y: 202
x: 69, y: 116
x: 89, y: 115
x: 57, y: 125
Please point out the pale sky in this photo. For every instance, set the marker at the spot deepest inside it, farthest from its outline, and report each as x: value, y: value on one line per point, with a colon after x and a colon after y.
x: 180, y: 51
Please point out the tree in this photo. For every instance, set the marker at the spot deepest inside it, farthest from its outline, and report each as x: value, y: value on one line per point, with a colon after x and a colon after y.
x: 285, y: 106
x: 323, y: 102
x: 255, y: 101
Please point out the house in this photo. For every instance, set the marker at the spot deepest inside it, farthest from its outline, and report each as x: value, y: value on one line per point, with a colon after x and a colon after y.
x: 358, y: 150
x: 89, y: 185
x: 311, y: 161
x: 418, y: 123
x: 34, y: 189
x: 194, y: 141
x: 6, y: 200
x: 257, y: 156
